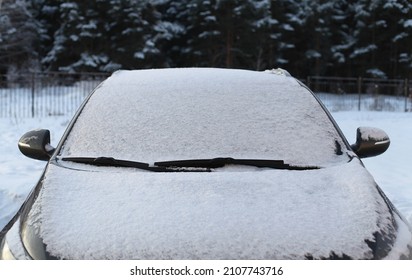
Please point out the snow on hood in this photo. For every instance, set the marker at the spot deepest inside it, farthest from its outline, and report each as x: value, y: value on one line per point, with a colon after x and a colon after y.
x: 123, y: 213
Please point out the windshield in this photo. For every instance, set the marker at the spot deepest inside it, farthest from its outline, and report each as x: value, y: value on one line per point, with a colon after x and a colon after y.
x: 177, y: 114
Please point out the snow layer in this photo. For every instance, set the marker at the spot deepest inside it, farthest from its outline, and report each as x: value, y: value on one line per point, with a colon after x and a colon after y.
x: 373, y: 133
x: 249, y: 214
x: 204, y: 113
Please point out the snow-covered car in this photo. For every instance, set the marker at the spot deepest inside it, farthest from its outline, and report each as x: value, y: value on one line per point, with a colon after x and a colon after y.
x: 203, y: 163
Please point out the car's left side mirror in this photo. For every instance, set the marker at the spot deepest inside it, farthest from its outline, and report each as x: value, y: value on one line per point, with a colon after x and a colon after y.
x: 370, y: 142
x: 36, y: 144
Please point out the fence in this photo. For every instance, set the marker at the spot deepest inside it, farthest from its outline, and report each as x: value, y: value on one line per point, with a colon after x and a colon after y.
x: 52, y: 94
x: 346, y: 94
x: 45, y: 94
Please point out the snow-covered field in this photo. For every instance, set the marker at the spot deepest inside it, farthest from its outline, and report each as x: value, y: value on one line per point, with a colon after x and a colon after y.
x: 391, y: 170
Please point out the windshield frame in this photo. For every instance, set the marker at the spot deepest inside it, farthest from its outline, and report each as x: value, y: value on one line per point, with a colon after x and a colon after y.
x: 347, y: 148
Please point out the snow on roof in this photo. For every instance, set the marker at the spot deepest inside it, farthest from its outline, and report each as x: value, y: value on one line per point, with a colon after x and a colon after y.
x: 170, y: 114
x: 260, y: 214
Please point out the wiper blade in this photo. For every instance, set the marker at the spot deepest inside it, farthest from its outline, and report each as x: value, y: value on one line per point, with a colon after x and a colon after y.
x: 190, y: 165
x: 112, y: 162
x: 222, y: 161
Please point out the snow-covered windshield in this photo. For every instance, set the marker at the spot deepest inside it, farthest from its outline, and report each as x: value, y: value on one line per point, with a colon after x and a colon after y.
x: 176, y: 114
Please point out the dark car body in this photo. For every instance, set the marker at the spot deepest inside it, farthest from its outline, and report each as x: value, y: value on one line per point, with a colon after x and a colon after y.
x: 203, y: 163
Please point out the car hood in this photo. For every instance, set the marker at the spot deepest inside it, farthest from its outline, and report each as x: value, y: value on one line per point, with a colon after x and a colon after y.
x: 122, y: 213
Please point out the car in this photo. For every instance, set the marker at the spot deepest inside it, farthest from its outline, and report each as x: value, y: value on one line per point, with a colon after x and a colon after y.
x: 205, y: 163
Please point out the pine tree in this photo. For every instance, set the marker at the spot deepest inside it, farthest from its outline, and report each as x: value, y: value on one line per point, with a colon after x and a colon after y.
x: 101, y: 35
x: 383, y: 38
x: 293, y: 35
x: 168, y: 35
x: 129, y: 33
x: 202, y: 34
x: 349, y: 38
x: 395, y: 36
x: 341, y: 39
x: 18, y: 37
x: 242, y: 27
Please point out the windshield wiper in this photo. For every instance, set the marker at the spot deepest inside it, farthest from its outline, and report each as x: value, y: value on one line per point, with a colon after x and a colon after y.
x: 112, y: 162
x: 189, y: 165
x: 222, y: 161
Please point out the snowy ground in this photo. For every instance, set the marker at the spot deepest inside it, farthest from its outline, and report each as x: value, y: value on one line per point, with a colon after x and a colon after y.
x: 391, y: 170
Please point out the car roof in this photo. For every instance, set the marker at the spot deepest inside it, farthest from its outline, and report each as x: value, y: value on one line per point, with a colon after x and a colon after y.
x: 168, y: 114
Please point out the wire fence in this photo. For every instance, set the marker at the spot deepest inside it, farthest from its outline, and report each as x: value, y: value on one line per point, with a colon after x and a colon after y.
x: 60, y: 94
x: 363, y: 94
x: 45, y: 94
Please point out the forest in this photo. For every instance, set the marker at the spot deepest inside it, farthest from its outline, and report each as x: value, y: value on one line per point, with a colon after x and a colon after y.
x: 369, y: 38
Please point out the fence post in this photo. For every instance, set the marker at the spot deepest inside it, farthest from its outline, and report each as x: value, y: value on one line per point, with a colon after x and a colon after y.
x: 33, y: 88
x: 359, y: 92
x: 406, y: 93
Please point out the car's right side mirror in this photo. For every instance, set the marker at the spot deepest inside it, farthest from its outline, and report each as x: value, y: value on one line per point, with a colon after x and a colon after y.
x: 370, y: 142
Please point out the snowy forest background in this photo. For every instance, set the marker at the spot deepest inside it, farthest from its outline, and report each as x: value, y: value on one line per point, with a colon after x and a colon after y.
x: 370, y: 38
